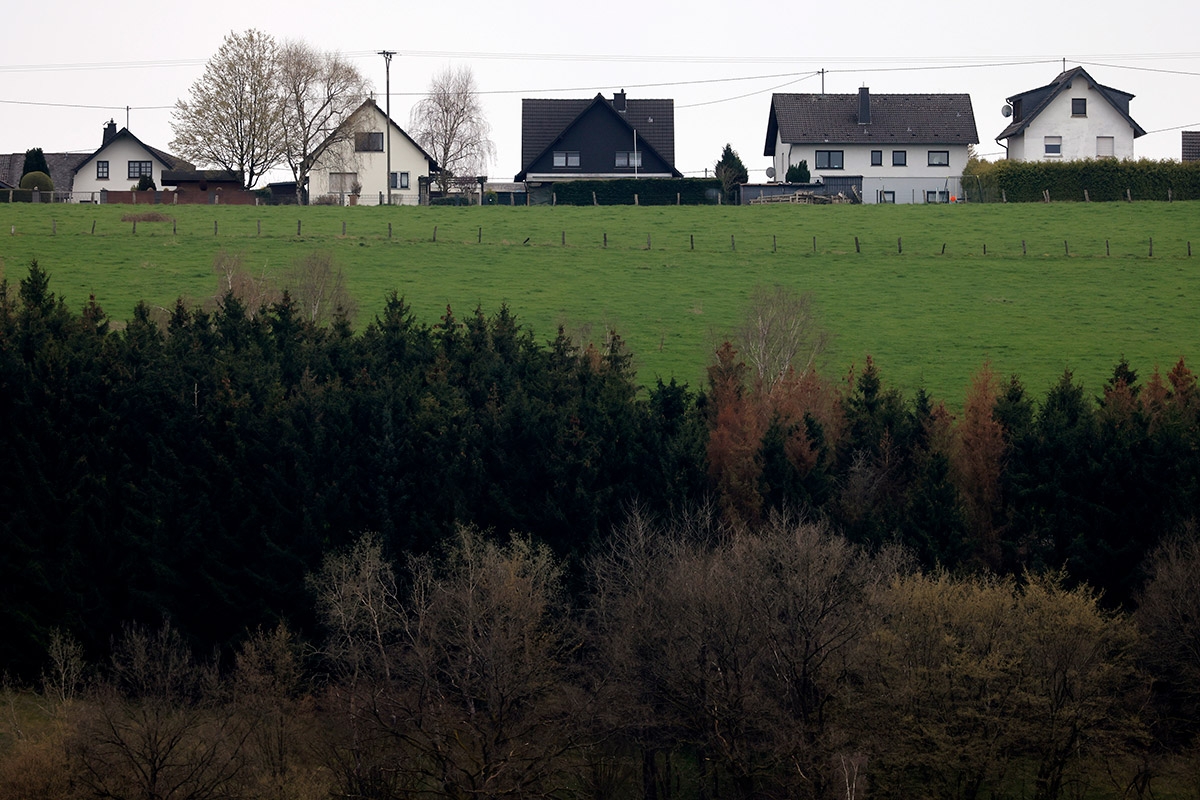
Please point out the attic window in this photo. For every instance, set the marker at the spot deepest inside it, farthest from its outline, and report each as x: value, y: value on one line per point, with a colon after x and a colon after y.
x: 566, y: 158
x: 629, y: 159
x: 1078, y: 106
x: 368, y: 142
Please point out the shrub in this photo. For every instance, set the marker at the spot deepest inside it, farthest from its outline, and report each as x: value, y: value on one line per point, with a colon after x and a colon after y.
x: 797, y: 173
x: 37, y: 180
x: 145, y: 184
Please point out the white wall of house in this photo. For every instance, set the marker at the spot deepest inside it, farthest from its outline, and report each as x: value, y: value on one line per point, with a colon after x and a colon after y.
x: 342, y: 165
x: 117, y: 155
x: 1080, y: 136
x: 910, y: 183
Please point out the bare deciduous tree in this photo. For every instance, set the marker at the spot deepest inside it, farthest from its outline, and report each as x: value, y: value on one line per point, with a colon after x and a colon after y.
x: 233, y: 118
x: 450, y: 124
x: 780, y: 332
x: 317, y: 286
x: 158, y: 728
x: 319, y: 93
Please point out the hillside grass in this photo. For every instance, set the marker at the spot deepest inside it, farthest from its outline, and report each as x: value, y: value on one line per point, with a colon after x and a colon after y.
x: 920, y: 295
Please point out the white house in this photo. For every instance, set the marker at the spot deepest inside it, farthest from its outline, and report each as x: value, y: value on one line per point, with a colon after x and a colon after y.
x: 119, y: 164
x: 1070, y: 119
x: 355, y: 158
x: 886, y: 148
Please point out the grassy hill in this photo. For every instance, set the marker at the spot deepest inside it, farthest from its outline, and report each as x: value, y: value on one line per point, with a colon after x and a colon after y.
x: 931, y: 292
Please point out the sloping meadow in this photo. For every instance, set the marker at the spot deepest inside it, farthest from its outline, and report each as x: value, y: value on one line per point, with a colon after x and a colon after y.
x: 930, y: 292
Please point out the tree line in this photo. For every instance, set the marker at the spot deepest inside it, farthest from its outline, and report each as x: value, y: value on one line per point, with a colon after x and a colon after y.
x: 218, y: 465
x: 198, y: 461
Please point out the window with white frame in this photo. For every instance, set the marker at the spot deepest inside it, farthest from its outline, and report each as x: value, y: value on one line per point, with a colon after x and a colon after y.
x: 398, y: 180
x: 140, y: 169
x: 566, y: 158
x: 830, y: 159
x: 1053, y: 145
x: 939, y: 158
x: 899, y: 158
x: 1106, y: 147
x: 101, y: 170
x: 629, y: 158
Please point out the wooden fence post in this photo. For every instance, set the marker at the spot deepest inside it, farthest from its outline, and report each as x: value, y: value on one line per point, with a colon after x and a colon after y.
x: 899, y: 245
x: 260, y: 227
x: 647, y: 238
x: 479, y: 239
x: 1086, y: 199
x: 635, y: 200
x: 856, y: 247
x: 94, y: 228
x: 1152, y: 247
x: 343, y: 227
x: 1107, y: 251
x: 215, y: 227
x: 692, y: 240
x: 298, y: 227
x: 606, y: 240
x: 594, y: 203
x: 435, y: 233
x: 389, y: 230
x: 1022, y: 247
x: 1066, y: 250
x: 564, y: 238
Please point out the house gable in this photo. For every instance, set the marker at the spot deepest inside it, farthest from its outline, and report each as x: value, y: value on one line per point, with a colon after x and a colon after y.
x: 340, y: 159
x: 596, y: 131
x: 1036, y: 106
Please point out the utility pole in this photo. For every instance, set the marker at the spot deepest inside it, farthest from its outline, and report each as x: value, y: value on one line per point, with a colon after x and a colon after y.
x: 387, y: 126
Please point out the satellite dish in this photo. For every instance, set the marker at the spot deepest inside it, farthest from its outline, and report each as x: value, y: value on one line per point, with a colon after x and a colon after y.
x: 770, y: 173
x: 1006, y: 110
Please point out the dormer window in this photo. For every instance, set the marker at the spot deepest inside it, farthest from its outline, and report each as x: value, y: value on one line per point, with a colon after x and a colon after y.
x: 1079, y: 107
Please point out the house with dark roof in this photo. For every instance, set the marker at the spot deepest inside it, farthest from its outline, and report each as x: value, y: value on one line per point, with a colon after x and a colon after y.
x: 353, y: 161
x: 119, y: 164
x: 565, y: 140
x: 1069, y: 119
x: 1191, y: 146
x: 883, y: 148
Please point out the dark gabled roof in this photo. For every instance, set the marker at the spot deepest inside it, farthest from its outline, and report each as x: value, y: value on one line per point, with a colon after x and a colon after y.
x: 1035, y: 101
x: 168, y: 160
x: 543, y: 122
x: 895, y: 118
x: 173, y: 177
x: 62, y: 168
x: 369, y: 103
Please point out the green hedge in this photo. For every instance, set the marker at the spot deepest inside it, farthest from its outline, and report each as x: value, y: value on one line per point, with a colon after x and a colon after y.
x: 649, y: 191
x: 1104, y: 180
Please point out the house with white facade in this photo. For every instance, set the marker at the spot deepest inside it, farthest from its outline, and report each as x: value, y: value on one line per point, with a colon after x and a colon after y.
x: 1070, y: 119
x: 120, y: 163
x: 884, y: 148
x: 354, y: 162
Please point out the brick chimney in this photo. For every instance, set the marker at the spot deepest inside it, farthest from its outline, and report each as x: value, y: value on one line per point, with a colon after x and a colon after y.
x: 864, y: 106
x: 619, y: 101
x: 110, y: 132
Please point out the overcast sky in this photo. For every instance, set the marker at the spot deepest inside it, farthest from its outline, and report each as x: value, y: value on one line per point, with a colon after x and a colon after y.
x: 720, y: 62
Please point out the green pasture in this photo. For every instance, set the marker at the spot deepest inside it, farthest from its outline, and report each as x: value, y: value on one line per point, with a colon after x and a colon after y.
x: 931, y: 292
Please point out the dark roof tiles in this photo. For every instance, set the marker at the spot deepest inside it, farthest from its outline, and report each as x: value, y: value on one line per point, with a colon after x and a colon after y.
x: 922, y: 118
x: 543, y: 120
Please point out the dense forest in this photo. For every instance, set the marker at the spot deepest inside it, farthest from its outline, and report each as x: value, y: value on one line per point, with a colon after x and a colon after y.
x: 455, y: 560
